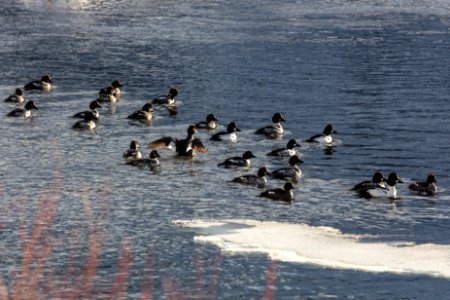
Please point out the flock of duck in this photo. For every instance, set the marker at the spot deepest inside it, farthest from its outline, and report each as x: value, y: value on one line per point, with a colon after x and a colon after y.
x: 187, y: 147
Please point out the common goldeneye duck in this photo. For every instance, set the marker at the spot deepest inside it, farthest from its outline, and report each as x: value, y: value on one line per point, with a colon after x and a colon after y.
x: 378, y: 192
x: 183, y: 147
x: 93, y: 105
x: 291, y: 173
x: 107, y: 95
x: 144, y: 114
x: 285, y: 194
x: 238, y: 161
x: 428, y: 187
x: 377, y: 181
x: 45, y: 84
x: 274, y: 130
x: 168, y: 100
x: 259, y: 179
x: 209, y: 124
x: 285, y: 152
x: 115, y: 85
x: 151, y: 162
x: 23, y: 112
x: 324, y: 137
x: 16, y: 98
x: 133, y: 152
x: 88, y: 122
x: 229, y: 135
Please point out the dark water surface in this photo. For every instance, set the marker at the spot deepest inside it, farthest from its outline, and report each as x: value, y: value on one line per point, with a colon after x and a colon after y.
x: 377, y: 70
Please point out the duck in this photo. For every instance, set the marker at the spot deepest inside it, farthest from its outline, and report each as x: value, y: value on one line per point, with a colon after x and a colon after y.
x: 16, y: 98
x: 168, y: 100
x: 274, y: 130
x: 115, y: 88
x: 23, y: 112
x: 377, y: 181
x: 259, y: 179
x: 285, y: 152
x: 229, y: 134
x: 427, y: 187
x: 238, y: 161
x: 324, y: 137
x: 133, y: 152
x: 183, y: 147
x: 290, y: 173
x: 107, y: 95
x: 152, y: 161
x: 93, y: 105
x: 209, y: 123
x: 144, y: 114
x: 45, y: 84
x: 88, y: 122
x: 378, y: 192
x: 285, y: 194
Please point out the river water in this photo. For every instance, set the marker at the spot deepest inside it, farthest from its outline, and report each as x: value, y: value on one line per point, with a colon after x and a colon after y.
x: 377, y: 70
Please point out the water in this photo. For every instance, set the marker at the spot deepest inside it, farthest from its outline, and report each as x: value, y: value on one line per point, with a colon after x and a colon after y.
x: 377, y: 71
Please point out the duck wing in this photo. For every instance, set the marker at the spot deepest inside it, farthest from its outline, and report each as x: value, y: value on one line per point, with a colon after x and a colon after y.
x: 314, y: 138
x: 267, y: 130
x: 198, y: 146
x: 81, y: 114
x: 276, y: 152
x: 218, y: 136
x: 273, y: 193
x: 15, y: 112
x: 236, y: 161
x: 164, y: 142
x: 33, y: 85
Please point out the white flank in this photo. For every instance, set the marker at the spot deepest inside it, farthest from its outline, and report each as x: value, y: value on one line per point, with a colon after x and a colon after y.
x: 323, y: 246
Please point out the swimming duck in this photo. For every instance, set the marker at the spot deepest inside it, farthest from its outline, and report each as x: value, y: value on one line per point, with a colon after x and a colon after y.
x: 23, y: 112
x: 88, y: 122
x: 183, y: 147
x: 274, y: 130
x: 377, y: 181
x: 152, y: 161
x: 115, y: 88
x: 285, y: 152
x: 16, y: 98
x: 290, y: 173
x: 428, y: 187
x: 143, y: 115
x: 377, y: 192
x: 107, y: 95
x: 229, y: 135
x: 285, y: 194
x: 168, y: 100
x: 133, y: 152
x: 209, y: 124
x: 238, y: 161
x: 324, y: 137
x: 45, y: 84
x: 259, y: 179
x: 93, y: 105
